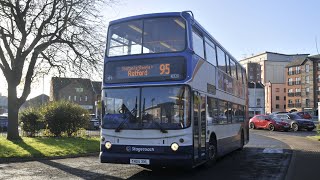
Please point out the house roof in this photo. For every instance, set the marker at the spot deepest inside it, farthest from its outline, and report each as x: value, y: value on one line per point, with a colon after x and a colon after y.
x: 268, y: 52
x: 301, y: 61
x: 58, y: 83
x: 296, y: 62
x: 315, y: 56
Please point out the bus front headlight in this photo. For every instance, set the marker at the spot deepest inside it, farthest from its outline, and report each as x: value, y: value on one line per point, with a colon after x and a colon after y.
x: 174, y: 146
x: 108, y: 145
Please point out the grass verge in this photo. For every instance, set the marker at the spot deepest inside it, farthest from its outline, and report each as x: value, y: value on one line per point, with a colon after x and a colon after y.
x: 317, y: 138
x: 47, y: 147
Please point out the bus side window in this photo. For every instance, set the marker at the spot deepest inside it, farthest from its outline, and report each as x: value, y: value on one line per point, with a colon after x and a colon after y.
x: 197, y: 43
x: 221, y: 60
x: 212, y: 114
x: 211, y: 55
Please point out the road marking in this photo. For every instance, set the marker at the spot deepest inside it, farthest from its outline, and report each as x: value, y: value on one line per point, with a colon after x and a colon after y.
x: 273, y: 151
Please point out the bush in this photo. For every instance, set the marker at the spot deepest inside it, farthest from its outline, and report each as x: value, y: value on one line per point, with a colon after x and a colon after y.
x: 32, y: 121
x: 65, y: 117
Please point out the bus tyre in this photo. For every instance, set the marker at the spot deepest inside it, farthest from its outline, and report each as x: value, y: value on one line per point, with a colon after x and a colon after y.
x: 212, y: 153
x: 241, y: 141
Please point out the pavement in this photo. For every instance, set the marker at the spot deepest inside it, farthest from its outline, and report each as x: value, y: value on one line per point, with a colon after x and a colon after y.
x: 305, y: 159
x: 269, y: 155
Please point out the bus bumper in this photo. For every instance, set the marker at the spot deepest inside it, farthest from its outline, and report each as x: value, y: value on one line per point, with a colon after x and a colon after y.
x: 156, y: 160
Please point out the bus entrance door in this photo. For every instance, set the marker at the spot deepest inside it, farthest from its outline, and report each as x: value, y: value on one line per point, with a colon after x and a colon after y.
x: 199, y: 127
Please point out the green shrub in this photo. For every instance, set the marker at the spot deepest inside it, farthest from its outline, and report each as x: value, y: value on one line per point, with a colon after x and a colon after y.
x: 31, y: 121
x: 65, y: 117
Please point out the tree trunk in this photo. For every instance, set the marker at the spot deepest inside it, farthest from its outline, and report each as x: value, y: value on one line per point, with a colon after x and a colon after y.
x: 13, y: 110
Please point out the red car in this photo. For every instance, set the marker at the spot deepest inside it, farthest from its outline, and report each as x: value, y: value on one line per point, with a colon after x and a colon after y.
x: 267, y: 122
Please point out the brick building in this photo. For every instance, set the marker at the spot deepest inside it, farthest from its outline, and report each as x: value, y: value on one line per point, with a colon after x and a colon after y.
x: 272, y: 75
x: 84, y: 92
x: 303, y: 84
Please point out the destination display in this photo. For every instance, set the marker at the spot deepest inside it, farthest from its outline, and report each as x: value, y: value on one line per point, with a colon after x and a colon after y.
x: 160, y: 69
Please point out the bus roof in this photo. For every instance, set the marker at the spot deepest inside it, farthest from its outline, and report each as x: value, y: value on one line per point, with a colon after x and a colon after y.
x: 145, y: 16
x: 166, y: 14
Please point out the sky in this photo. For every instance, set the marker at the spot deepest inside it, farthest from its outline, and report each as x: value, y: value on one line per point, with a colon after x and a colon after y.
x: 243, y: 27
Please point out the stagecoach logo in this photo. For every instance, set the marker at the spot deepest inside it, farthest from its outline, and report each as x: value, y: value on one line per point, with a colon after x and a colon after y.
x: 109, y: 78
x: 139, y: 149
x: 128, y: 148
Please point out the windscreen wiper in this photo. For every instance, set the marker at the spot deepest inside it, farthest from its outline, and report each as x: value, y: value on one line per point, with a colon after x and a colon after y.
x: 160, y: 127
x: 127, y: 115
x: 121, y: 125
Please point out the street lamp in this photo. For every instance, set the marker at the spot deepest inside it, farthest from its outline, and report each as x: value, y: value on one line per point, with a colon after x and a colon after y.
x: 254, y: 96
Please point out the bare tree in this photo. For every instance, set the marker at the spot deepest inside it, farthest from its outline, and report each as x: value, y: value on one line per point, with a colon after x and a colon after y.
x: 37, y: 35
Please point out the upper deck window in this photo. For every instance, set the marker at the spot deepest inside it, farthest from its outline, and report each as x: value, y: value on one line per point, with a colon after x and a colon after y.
x: 197, y: 43
x: 155, y: 35
x: 221, y: 59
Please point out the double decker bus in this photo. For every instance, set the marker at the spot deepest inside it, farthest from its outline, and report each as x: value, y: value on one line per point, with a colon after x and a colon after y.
x: 172, y: 95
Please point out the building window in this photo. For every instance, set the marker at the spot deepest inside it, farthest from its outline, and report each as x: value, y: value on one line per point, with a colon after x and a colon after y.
x: 80, y: 98
x: 284, y: 90
x: 69, y: 98
x: 307, y: 102
x: 307, y: 80
x: 79, y: 90
x: 86, y: 98
x: 319, y: 78
x: 297, y: 69
x: 290, y: 71
x: 277, y: 89
x: 290, y: 82
x: 298, y: 80
x: 284, y: 106
x: 285, y: 98
x: 307, y: 91
x: 75, y: 98
x: 277, y: 106
x: 258, y: 102
x: 277, y: 98
x: 298, y: 92
x: 307, y: 68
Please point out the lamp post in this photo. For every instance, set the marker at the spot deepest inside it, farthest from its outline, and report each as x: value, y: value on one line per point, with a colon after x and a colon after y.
x: 254, y: 97
x: 42, y: 96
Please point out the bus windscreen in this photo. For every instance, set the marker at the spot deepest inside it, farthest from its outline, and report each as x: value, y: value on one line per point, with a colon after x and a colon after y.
x: 147, y: 36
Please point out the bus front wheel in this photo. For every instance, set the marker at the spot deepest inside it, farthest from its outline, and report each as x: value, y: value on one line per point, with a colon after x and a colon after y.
x: 212, y: 153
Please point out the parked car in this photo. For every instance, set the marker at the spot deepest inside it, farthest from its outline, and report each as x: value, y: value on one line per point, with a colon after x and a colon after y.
x: 268, y: 122
x: 94, y: 123
x: 3, y: 123
x: 296, y: 122
x: 304, y: 115
x: 277, y: 112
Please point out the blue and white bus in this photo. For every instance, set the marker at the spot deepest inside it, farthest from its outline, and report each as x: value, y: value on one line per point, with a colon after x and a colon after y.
x: 172, y: 95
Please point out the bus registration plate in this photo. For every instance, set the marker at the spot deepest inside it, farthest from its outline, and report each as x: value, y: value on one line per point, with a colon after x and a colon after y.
x: 139, y: 161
